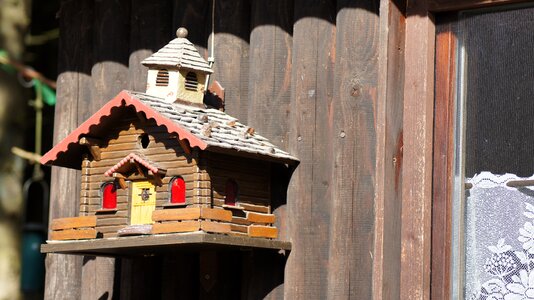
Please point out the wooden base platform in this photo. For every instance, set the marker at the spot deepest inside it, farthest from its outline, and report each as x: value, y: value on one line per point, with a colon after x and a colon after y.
x: 154, y: 244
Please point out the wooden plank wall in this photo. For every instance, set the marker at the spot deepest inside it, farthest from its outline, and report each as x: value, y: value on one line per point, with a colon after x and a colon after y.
x: 305, y: 74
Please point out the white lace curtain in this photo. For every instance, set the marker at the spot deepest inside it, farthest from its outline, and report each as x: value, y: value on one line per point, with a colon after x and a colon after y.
x: 499, y: 237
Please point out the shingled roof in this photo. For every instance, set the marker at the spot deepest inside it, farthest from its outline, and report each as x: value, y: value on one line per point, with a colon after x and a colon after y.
x: 206, y: 128
x: 179, y: 53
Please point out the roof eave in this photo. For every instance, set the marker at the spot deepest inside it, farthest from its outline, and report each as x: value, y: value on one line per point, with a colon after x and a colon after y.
x: 124, y: 98
x: 177, y: 67
x: 281, y: 160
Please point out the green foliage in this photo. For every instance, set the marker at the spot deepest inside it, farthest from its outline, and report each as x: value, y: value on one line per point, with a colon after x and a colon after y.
x: 48, y: 94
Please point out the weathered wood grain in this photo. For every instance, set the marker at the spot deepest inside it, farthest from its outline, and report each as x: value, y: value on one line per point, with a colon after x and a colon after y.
x: 443, y: 162
x: 109, y: 76
x: 270, y: 53
x: 386, y: 269
x: 231, y: 51
x: 311, y: 135
x: 195, y: 16
x: 76, y: 24
x: 417, y: 161
x: 149, y: 31
x: 354, y: 150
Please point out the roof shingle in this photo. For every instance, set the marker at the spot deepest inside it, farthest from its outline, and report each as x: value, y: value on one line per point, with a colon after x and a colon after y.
x: 226, y: 131
x: 190, y: 123
x: 179, y: 53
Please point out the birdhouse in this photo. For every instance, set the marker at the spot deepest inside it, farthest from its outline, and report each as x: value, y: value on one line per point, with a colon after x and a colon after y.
x: 161, y: 169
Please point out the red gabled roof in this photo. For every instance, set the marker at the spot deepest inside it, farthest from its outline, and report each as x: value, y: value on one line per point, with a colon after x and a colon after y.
x: 135, y: 157
x: 123, y: 99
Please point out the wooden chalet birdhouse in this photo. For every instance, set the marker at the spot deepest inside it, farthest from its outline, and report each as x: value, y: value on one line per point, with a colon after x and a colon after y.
x: 159, y: 169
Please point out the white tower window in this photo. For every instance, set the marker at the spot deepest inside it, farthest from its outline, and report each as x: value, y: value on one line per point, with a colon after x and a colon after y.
x: 191, y: 81
x: 162, y: 79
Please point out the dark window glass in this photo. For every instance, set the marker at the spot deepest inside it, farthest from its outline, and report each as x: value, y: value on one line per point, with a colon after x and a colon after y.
x: 231, y: 192
x: 498, y: 87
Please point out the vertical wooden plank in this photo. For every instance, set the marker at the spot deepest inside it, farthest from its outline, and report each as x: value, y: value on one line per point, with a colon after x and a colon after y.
x: 180, y: 284
x: 231, y: 52
x: 63, y: 272
x: 141, y: 278
x: 110, y: 52
x: 195, y: 15
x: 311, y: 136
x: 268, y: 102
x: 150, y: 30
x: 270, y: 68
x: 417, y: 169
x: 386, y: 273
x: 264, y: 280
x: 443, y: 160
x: 109, y: 74
x: 355, y: 99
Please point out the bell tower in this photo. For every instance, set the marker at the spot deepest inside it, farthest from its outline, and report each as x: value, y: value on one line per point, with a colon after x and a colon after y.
x: 177, y: 72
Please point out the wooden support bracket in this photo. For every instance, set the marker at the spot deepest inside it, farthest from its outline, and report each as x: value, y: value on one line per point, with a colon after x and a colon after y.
x: 121, y: 180
x: 185, y: 146
x: 158, y: 177
x: 137, y: 166
x: 93, y: 145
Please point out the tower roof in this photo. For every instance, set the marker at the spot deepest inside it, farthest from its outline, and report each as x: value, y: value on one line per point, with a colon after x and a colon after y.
x: 179, y: 53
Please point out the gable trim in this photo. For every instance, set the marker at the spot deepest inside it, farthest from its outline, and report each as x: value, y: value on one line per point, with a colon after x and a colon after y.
x: 123, y: 99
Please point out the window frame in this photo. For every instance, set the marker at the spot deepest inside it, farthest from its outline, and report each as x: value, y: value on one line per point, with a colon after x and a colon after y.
x: 444, y: 146
x: 443, y: 224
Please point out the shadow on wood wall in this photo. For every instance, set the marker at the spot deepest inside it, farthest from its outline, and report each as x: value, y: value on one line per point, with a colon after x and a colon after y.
x: 304, y: 74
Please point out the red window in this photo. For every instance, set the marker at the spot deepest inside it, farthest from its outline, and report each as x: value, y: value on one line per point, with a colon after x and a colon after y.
x: 109, y: 195
x: 178, y: 190
x: 231, y: 192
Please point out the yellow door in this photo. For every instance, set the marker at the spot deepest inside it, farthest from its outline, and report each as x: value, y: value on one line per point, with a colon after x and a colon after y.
x: 143, y: 202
